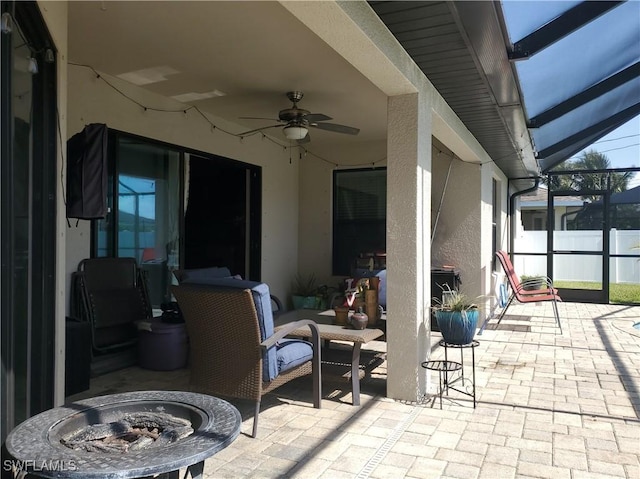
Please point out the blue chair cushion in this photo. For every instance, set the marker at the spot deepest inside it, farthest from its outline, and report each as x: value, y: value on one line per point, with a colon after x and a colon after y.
x: 203, y: 274
x: 292, y: 352
x: 262, y: 301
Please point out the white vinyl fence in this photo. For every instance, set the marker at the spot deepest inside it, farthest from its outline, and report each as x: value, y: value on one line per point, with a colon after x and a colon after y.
x: 579, y: 267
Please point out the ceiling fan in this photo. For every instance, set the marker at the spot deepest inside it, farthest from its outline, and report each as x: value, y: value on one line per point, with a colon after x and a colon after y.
x: 296, y: 121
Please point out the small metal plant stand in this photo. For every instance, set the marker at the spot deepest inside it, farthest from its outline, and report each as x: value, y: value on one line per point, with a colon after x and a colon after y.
x: 447, y: 377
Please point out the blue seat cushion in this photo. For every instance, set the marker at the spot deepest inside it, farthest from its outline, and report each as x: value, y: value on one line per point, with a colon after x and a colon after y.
x: 262, y: 301
x: 204, y: 274
x: 292, y: 352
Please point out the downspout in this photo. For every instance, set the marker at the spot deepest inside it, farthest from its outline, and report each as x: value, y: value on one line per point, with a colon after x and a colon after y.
x: 563, y: 219
x: 512, y: 207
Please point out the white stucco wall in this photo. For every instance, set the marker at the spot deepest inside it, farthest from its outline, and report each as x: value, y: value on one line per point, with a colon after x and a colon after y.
x: 463, y: 233
x: 408, y: 250
x: 457, y: 240
x: 93, y: 101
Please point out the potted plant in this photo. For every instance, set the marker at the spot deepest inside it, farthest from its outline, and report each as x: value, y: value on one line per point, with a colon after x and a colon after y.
x: 303, y: 292
x: 306, y: 294
x: 457, y: 317
x: 533, y: 282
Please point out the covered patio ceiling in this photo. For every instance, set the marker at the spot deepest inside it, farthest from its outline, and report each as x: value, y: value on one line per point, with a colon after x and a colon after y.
x: 231, y: 59
x: 526, y: 78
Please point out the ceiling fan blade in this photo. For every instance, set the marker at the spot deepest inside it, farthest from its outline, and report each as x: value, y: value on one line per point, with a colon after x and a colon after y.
x: 349, y: 130
x: 313, y: 117
x: 256, y: 118
x: 259, y: 129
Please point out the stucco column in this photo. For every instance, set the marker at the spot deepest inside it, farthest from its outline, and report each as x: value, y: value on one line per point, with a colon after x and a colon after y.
x: 408, y: 243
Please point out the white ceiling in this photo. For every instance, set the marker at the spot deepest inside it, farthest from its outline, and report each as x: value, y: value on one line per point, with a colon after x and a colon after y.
x: 254, y: 52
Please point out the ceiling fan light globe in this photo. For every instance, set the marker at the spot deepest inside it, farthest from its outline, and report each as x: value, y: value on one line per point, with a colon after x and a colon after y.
x: 295, y: 132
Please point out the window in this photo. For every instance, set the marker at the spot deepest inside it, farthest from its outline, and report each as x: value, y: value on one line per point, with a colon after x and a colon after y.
x: 359, y: 216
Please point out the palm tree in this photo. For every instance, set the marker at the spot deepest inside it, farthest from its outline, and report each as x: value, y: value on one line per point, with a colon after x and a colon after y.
x: 583, y: 179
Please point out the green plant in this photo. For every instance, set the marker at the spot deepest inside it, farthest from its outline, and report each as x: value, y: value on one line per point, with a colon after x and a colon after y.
x: 530, y: 282
x: 454, y: 301
x: 304, y: 285
x: 457, y: 316
x: 306, y: 294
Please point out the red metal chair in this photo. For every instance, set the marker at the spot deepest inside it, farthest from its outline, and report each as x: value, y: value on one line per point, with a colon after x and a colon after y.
x: 520, y: 291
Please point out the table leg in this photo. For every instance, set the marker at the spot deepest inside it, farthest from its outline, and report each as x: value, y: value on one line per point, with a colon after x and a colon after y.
x: 473, y: 371
x: 196, y: 470
x: 355, y: 374
x: 446, y: 376
x: 440, y: 384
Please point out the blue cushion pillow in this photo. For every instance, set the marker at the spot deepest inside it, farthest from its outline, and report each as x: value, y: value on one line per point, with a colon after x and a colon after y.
x: 292, y: 352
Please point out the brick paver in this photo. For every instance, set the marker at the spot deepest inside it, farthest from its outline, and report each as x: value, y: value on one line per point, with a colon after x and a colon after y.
x: 550, y: 405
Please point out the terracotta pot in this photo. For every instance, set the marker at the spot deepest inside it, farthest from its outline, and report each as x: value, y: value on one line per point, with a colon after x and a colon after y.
x: 342, y: 315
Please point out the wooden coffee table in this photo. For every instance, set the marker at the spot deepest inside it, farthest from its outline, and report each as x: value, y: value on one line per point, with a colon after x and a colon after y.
x: 332, y: 332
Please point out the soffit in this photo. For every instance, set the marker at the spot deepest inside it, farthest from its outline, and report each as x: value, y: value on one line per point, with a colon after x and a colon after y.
x: 460, y: 47
x: 535, y: 82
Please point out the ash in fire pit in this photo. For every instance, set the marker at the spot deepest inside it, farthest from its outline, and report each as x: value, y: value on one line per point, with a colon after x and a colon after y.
x: 132, y: 432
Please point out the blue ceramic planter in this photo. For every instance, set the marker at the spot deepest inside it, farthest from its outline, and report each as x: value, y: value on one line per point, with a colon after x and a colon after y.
x: 457, y: 327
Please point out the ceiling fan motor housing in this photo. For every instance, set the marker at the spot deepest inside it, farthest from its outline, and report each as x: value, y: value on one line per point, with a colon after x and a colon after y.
x: 293, y: 115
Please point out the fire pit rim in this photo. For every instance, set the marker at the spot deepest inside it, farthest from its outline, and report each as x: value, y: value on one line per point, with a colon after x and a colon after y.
x: 29, y: 442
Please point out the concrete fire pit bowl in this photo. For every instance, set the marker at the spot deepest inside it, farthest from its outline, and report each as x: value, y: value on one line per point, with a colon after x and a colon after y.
x: 38, y: 446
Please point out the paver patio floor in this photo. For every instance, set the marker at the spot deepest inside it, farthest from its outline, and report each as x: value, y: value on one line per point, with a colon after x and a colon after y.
x: 550, y: 405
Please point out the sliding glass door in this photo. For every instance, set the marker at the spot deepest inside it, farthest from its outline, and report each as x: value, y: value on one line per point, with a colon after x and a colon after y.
x: 148, y: 220
x: 28, y: 215
x: 145, y: 205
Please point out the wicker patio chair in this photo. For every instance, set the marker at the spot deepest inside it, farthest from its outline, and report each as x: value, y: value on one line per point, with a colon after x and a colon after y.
x: 204, y: 275
x: 234, y: 351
